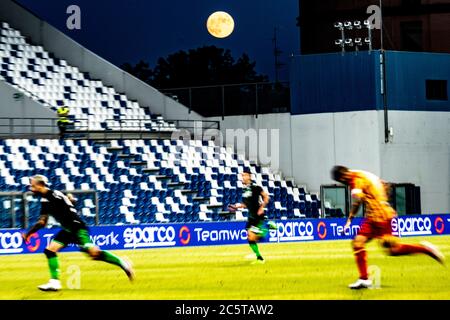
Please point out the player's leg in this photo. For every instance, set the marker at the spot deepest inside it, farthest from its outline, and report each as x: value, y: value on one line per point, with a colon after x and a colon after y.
x: 396, y: 248
x: 359, y: 250
x: 59, y: 242
x: 96, y: 253
x: 247, y: 227
x: 103, y: 255
x: 253, y: 237
x: 365, y: 234
x: 272, y: 225
x: 52, y: 258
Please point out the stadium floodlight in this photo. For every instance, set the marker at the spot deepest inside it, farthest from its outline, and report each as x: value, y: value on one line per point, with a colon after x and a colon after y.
x: 340, y: 42
x: 358, y: 43
x: 338, y: 25
x: 368, y: 40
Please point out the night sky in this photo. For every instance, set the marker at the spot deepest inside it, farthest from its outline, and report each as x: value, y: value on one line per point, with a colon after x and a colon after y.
x: 128, y: 31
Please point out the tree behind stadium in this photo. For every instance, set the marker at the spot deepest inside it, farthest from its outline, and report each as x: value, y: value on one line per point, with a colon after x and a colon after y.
x: 204, y: 66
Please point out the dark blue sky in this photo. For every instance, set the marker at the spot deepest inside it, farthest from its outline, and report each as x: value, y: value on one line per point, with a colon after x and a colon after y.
x: 127, y: 31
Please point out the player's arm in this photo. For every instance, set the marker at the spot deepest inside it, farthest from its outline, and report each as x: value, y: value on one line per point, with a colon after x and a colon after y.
x: 240, y: 205
x: 41, y: 223
x: 266, y: 198
x: 355, y: 207
x: 357, y: 196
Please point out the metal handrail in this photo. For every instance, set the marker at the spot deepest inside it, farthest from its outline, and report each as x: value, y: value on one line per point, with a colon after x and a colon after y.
x: 34, y: 124
x: 112, y: 119
x: 252, y: 103
x: 225, y: 85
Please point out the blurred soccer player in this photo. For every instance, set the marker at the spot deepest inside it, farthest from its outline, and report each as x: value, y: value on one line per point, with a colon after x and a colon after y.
x: 369, y: 189
x: 74, y: 230
x: 256, y: 227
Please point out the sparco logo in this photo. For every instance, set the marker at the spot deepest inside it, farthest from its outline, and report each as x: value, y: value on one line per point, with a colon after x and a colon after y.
x: 411, y: 226
x: 10, y: 242
x: 292, y: 231
x: 139, y: 237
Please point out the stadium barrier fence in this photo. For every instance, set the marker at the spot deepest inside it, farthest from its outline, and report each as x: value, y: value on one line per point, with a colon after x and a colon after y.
x: 17, y: 208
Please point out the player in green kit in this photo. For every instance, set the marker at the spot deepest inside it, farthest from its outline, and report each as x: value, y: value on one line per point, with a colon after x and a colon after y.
x: 74, y: 230
x: 256, y: 224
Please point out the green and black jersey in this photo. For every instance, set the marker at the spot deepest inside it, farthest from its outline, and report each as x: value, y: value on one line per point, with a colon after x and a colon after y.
x: 57, y: 204
x: 251, y: 198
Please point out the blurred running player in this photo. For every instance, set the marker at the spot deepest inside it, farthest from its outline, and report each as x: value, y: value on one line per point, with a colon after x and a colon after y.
x: 369, y: 189
x: 74, y: 230
x: 256, y: 224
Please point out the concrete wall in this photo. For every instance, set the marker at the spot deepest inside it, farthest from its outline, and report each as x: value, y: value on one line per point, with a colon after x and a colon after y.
x: 76, y: 55
x: 310, y: 145
x: 281, y: 146
x: 24, y: 110
x: 324, y: 140
x: 420, y: 153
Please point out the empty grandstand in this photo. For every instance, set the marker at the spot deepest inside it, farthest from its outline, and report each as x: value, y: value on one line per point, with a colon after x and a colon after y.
x: 52, y: 82
x: 124, y: 181
x: 146, y: 181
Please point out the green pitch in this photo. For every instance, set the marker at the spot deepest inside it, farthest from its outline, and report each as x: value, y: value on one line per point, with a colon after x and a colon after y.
x: 308, y: 270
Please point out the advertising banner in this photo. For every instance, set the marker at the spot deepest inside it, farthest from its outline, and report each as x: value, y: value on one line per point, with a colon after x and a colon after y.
x: 219, y: 233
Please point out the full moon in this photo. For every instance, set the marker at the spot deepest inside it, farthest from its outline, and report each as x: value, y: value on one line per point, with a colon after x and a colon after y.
x: 220, y: 24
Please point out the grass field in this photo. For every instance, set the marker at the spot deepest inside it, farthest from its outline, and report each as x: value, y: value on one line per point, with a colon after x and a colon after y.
x: 308, y: 270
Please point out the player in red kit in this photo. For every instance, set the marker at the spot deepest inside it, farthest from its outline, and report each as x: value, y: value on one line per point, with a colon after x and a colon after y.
x: 367, y: 188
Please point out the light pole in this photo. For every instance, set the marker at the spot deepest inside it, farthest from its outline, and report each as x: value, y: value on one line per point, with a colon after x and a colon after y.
x: 381, y: 26
x: 357, y: 41
x: 368, y: 40
x: 383, y: 78
x: 340, y: 42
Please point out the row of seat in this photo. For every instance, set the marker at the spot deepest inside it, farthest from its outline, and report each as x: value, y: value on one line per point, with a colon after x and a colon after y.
x: 53, y: 82
x: 192, y: 188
